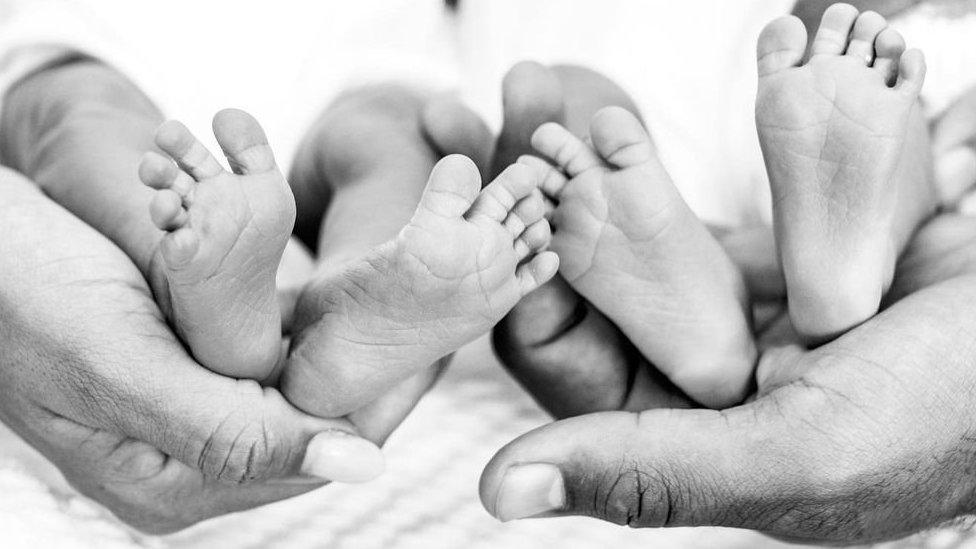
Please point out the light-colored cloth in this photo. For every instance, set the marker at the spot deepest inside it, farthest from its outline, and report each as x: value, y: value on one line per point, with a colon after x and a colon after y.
x: 427, y: 499
x: 946, y: 33
x: 282, y: 61
x: 690, y: 66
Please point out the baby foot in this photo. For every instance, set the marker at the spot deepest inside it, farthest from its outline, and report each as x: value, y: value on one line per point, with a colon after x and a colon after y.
x: 833, y: 131
x: 464, y: 260
x: 630, y: 245
x: 225, y: 233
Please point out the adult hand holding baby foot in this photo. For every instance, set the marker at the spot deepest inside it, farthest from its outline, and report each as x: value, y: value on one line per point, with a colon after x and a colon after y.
x: 864, y: 438
x: 94, y: 379
x: 92, y: 375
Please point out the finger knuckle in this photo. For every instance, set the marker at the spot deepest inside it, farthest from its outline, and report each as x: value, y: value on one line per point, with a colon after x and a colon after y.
x: 639, y: 495
x: 239, y: 454
x: 242, y: 447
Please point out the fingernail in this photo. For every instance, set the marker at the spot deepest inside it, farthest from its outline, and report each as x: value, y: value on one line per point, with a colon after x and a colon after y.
x: 529, y: 490
x: 341, y: 457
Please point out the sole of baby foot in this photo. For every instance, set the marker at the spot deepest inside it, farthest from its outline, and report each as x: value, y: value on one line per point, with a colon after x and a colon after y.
x: 631, y: 246
x: 532, y: 95
x: 225, y: 232
x: 464, y: 260
x: 833, y: 130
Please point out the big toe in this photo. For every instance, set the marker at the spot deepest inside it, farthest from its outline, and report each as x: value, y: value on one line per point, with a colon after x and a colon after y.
x: 452, y: 188
x: 781, y: 45
x: 620, y: 138
x: 531, y: 96
x: 453, y: 128
x: 243, y: 141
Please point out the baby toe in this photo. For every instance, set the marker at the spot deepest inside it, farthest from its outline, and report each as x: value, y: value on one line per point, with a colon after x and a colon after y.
x: 528, y: 210
x: 867, y: 27
x: 911, y: 72
x: 620, y: 138
x: 781, y: 45
x: 835, y: 29
x: 166, y: 210
x: 176, y: 140
x: 500, y: 197
x: 567, y: 151
x: 536, y: 272
x: 452, y: 187
x: 552, y: 181
x: 179, y: 247
x: 243, y: 141
x: 888, y: 49
x: 537, y: 236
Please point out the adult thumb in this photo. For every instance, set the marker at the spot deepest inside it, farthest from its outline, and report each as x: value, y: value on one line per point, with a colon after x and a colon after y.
x: 646, y: 469
x: 233, y: 430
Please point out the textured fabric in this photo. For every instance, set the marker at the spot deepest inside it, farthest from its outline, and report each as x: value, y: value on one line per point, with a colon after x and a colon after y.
x: 427, y: 499
x: 282, y: 61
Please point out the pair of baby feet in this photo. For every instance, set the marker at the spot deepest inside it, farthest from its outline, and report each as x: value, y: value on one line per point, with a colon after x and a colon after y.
x: 465, y: 259
x: 833, y: 131
x: 840, y: 134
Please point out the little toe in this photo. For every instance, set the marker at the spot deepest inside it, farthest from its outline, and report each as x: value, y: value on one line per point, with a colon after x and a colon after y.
x: 867, y: 27
x: 911, y: 72
x: 179, y: 247
x: 166, y: 210
x: 452, y: 187
x: 243, y: 141
x: 620, y: 138
x: 781, y: 45
x: 499, y: 198
x: 552, y: 180
x: 835, y: 29
x: 537, y: 271
x: 565, y: 149
x: 888, y: 49
x: 177, y: 141
x: 160, y: 173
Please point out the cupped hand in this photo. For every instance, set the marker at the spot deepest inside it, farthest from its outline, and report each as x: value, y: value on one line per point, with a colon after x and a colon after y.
x: 869, y: 437
x: 93, y: 377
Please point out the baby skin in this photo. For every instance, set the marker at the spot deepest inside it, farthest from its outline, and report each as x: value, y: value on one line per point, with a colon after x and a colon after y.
x: 465, y: 259
x: 630, y: 245
x: 839, y: 133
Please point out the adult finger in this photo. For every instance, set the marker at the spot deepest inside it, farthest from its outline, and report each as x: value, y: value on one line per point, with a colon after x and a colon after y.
x: 452, y: 127
x: 836, y: 440
x: 642, y: 469
x: 102, y: 356
x: 954, y: 148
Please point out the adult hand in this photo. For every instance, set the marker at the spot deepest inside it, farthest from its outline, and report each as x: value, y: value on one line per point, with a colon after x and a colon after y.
x: 954, y: 146
x: 92, y: 377
x: 866, y: 438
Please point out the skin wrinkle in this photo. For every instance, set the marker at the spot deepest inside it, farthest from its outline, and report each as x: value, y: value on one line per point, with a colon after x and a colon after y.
x: 206, y: 451
x: 222, y: 473
x: 179, y: 495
